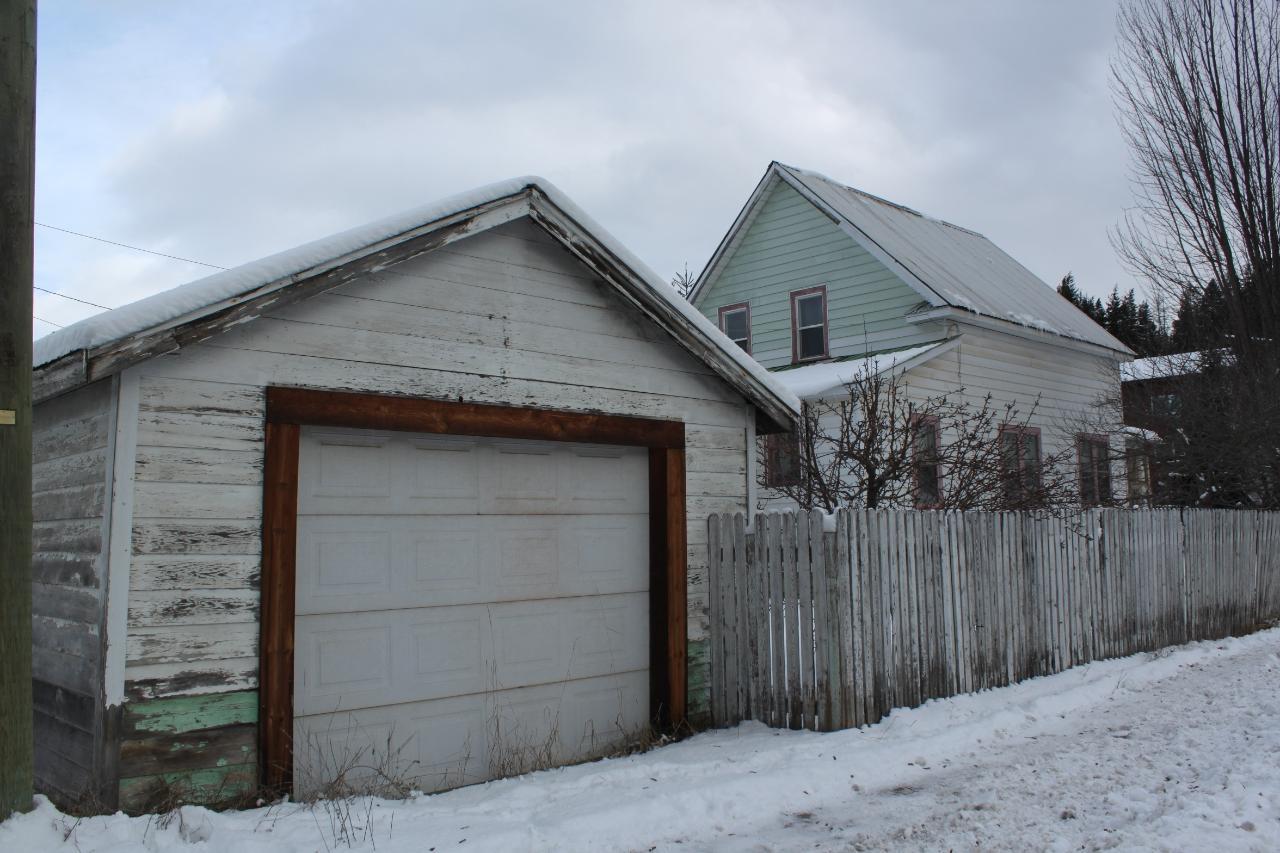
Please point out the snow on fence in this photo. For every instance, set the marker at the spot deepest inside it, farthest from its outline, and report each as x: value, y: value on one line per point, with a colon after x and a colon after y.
x: 820, y: 629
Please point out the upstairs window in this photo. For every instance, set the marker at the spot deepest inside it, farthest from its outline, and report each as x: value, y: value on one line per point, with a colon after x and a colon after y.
x: 735, y: 322
x: 926, y: 470
x: 1094, y: 454
x: 781, y: 460
x: 1020, y: 464
x: 809, y: 324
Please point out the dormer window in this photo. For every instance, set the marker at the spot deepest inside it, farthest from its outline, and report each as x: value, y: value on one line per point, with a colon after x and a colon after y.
x: 809, y: 324
x: 735, y: 322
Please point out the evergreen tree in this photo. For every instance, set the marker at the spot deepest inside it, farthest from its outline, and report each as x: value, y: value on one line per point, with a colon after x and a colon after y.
x: 1130, y: 321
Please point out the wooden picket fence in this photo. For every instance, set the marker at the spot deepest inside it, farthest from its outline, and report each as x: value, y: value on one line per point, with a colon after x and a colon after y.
x: 826, y: 626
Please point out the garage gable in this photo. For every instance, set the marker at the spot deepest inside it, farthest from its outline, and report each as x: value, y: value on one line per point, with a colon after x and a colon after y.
x: 108, y: 343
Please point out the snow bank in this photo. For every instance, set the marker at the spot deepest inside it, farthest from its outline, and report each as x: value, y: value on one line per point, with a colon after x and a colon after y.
x: 1174, y: 750
x: 172, y: 307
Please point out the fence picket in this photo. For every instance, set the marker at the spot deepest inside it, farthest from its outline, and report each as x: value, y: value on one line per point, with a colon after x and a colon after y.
x: 822, y: 706
x: 777, y: 644
x: 761, y: 676
x: 715, y: 640
x: 729, y: 608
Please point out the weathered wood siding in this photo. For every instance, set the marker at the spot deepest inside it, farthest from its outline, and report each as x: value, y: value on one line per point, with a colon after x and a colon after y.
x: 792, y: 245
x: 69, y: 501
x: 505, y: 317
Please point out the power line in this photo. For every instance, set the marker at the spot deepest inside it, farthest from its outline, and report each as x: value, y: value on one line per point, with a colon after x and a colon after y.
x: 50, y: 322
x: 127, y: 246
x: 65, y: 296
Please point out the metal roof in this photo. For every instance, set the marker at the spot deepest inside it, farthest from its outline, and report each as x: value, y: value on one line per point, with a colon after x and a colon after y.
x: 949, y: 265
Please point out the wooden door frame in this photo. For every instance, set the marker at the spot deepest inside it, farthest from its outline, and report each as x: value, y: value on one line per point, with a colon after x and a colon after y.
x: 289, y: 409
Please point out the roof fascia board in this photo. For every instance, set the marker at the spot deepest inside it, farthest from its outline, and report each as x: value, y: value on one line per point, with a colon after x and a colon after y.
x: 632, y: 287
x: 729, y: 242
x: 927, y: 293
x: 83, y: 366
x: 963, y: 316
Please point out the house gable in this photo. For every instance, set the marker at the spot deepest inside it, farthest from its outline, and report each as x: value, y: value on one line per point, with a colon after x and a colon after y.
x: 789, y: 244
x: 957, y: 276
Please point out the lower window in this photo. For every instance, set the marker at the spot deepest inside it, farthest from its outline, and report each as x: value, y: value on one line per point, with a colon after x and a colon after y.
x: 1094, y: 455
x: 781, y: 460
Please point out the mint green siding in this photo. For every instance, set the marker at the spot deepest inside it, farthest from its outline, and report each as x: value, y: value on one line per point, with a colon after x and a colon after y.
x: 792, y: 245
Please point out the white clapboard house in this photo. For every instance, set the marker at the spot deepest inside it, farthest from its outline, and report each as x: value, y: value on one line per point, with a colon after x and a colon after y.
x: 434, y: 488
x: 818, y: 281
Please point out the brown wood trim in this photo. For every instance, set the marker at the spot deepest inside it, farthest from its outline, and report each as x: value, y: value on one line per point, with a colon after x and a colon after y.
x: 668, y: 594
x: 674, y: 517
x: 412, y: 414
x: 279, y: 556
x: 289, y: 408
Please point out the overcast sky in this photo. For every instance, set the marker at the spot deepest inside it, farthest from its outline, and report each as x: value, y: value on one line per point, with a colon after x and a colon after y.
x: 224, y: 131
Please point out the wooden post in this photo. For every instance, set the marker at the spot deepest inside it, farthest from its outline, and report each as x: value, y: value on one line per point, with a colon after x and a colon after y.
x: 17, y: 153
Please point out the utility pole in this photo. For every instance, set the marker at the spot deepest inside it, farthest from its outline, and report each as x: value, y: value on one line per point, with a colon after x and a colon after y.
x: 17, y: 192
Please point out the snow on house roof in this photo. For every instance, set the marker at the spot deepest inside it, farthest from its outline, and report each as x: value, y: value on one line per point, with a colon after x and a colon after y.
x: 950, y: 265
x: 828, y: 378
x: 182, y: 304
x: 1161, y: 366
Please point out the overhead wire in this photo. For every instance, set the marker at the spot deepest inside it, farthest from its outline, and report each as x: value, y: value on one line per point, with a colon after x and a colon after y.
x: 110, y: 243
x: 127, y: 246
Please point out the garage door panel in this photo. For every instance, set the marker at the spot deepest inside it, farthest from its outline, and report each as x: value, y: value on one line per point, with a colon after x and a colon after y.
x: 350, y: 472
x: 550, y: 641
x: 348, y: 661
x: 348, y: 465
x: 444, y: 743
x: 367, y: 562
x: 434, y: 745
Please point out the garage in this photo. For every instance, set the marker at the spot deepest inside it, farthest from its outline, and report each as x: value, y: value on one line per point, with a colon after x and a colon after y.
x: 467, y: 607
x: 422, y: 501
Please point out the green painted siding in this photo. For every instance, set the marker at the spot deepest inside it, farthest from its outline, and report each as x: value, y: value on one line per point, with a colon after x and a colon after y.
x: 792, y: 245
x: 191, y: 749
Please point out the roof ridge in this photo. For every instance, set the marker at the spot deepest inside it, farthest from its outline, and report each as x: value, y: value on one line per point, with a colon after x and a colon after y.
x: 872, y: 196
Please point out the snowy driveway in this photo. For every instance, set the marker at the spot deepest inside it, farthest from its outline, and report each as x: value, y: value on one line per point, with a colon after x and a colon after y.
x: 1177, y: 751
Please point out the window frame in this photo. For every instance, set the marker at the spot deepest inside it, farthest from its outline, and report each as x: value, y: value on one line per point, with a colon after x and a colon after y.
x: 1021, y: 431
x: 1137, y: 460
x: 795, y: 296
x: 918, y: 422
x: 1094, y: 441
x: 772, y: 450
x: 730, y: 309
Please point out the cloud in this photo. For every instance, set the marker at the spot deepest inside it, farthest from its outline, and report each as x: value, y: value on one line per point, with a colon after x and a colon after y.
x: 658, y: 118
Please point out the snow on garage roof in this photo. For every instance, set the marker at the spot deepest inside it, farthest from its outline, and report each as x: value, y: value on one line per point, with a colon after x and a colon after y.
x: 190, y: 302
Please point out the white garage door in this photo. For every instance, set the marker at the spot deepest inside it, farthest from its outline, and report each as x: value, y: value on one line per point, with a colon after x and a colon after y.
x: 466, y: 607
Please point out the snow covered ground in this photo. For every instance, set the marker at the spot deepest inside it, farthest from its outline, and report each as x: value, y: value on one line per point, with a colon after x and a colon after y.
x: 1178, y: 751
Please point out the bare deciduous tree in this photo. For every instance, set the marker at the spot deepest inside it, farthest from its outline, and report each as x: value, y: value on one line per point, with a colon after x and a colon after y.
x: 1197, y: 84
x: 877, y: 447
x: 1198, y: 90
